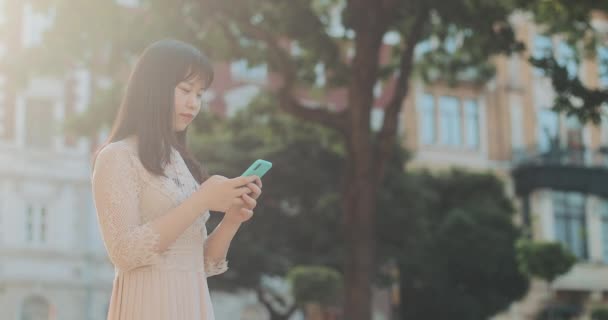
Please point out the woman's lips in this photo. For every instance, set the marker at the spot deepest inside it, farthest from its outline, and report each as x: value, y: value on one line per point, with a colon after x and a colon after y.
x: 186, y: 116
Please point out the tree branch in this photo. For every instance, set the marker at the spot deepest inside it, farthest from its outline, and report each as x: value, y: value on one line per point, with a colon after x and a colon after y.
x: 274, y: 313
x: 387, y: 135
x: 288, y: 101
x: 263, y: 300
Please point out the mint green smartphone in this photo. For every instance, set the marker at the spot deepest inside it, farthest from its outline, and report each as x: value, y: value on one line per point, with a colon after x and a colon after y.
x: 258, y: 168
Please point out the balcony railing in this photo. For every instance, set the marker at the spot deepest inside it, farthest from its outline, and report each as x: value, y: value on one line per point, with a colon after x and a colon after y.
x: 566, y: 169
x: 576, y: 157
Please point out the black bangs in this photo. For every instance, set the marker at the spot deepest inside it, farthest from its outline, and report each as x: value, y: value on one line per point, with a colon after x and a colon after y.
x: 198, y: 66
x: 202, y: 71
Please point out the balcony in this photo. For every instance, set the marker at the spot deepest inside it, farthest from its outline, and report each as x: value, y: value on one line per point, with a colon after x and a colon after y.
x: 565, y: 169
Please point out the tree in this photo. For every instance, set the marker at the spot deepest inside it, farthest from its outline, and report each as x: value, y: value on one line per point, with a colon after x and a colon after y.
x: 600, y: 313
x: 267, y: 23
x: 573, y: 21
x: 324, y: 31
x: 316, y: 284
x: 547, y: 261
x: 544, y: 260
x: 454, y: 246
x: 302, y: 230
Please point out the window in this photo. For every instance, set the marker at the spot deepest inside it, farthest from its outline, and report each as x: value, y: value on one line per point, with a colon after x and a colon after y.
x: 547, y: 129
x: 240, y: 69
x: 426, y: 107
x: 376, y: 119
x: 35, y: 23
x: 35, y: 308
x: 602, y: 62
x: 541, y: 48
x: 39, y: 124
x: 604, y: 219
x: 566, y: 56
x: 43, y: 226
x: 129, y: 3
x: 320, y: 79
x: 471, y: 113
x: 239, y: 98
x: 29, y: 224
x: 36, y: 225
x: 449, y: 121
x: 574, y: 140
x: 423, y: 47
x: 570, y: 222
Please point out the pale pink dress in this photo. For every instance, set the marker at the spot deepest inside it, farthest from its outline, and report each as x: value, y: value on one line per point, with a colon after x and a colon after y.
x: 148, y: 284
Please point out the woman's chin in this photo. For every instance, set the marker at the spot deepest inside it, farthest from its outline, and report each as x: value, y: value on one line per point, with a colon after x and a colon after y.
x: 180, y: 127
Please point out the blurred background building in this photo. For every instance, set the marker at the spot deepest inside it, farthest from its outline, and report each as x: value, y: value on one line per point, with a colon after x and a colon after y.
x: 52, y: 261
x: 556, y: 168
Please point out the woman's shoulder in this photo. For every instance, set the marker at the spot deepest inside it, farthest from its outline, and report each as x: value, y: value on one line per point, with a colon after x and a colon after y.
x: 117, y: 151
x: 115, y: 148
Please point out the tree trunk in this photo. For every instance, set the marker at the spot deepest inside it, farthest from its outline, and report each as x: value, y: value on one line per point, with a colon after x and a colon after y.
x: 358, y: 206
x: 358, y: 183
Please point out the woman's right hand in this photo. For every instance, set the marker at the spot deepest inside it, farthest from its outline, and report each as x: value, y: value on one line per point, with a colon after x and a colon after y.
x: 219, y: 193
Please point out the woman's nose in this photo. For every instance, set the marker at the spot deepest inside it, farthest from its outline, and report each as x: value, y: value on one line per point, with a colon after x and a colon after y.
x: 193, y: 101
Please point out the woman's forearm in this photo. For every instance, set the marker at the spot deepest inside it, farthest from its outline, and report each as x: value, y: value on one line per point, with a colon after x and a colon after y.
x: 218, y: 242
x: 174, y: 222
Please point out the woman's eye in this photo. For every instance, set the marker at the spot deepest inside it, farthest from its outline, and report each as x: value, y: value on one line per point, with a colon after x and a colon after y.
x: 185, y: 90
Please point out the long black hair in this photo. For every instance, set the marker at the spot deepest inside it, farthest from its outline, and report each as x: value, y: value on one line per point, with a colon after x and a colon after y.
x: 147, y: 109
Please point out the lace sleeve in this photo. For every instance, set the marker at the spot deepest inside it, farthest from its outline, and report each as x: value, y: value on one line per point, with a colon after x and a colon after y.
x: 212, y: 266
x: 115, y: 185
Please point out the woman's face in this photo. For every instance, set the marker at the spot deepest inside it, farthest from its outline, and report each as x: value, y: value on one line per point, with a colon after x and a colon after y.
x: 187, y: 102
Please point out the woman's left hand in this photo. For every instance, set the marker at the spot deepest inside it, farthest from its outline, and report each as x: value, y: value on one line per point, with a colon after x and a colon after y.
x: 242, y: 213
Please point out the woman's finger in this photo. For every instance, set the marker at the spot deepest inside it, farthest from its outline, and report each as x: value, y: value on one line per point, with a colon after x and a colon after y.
x: 249, y: 201
x: 241, y: 181
x: 258, y: 181
x: 256, y: 191
x: 239, y: 202
x: 246, y: 211
x: 242, y: 190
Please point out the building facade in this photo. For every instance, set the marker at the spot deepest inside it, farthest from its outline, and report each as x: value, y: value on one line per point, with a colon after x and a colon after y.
x: 554, y: 167
x: 52, y: 261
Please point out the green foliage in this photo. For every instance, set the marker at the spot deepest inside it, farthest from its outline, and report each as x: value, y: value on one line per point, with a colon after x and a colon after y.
x: 453, y: 239
x: 298, y: 214
x: 460, y: 40
x: 452, y: 232
x: 315, y: 284
x: 106, y: 36
x: 600, y: 313
x: 572, y: 22
x: 572, y: 97
x: 546, y: 260
x: 563, y: 17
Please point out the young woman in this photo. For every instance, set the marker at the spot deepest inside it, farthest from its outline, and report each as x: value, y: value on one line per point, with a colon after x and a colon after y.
x: 153, y: 198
